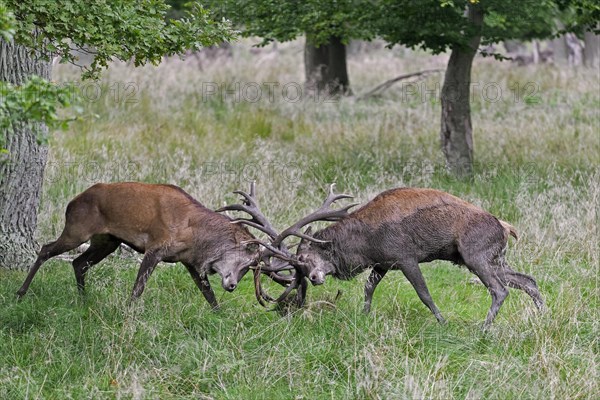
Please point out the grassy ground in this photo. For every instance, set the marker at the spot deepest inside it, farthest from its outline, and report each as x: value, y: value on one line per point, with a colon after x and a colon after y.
x: 537, y: 151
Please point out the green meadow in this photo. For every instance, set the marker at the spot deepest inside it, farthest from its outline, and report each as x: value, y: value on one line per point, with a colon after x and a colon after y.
x: 201, y: 124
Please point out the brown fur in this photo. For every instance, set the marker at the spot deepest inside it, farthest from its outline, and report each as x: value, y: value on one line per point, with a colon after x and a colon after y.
x: 161, y: 221
x: 396, y: 204
x: 401, y: 228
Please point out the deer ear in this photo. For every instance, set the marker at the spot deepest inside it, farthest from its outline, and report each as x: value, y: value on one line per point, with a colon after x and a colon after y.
x: 305, y: 243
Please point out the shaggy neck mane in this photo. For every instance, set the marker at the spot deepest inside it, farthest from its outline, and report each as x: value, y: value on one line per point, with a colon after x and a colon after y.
x: 348, y: 248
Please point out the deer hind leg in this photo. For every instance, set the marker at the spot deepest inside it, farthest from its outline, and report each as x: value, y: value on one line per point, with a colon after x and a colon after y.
x: 100, y: 247
x: 523, y: 282
x: 487, y: 273
x: 61, y: 245
x: 415, y: 277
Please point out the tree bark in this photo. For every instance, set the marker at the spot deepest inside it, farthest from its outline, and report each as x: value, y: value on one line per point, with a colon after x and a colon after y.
x: 456, y: 131
x: 21, y: 174
x: 338, y: 68
x: 315, y: 66
x: 325, y: 67
x: 591, y: 50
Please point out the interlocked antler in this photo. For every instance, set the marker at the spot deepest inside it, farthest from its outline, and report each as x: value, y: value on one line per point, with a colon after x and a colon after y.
x: 277, y: 248
x: 324, y: 213
x: 259, y: 221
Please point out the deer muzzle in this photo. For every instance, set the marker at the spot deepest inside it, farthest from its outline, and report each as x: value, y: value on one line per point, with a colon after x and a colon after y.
x: 317, y: 277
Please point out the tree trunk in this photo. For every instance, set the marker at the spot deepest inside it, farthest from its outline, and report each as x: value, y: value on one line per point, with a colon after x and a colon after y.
x: 315, y: 66
x: 536, y: 52
x: 21, y: 174
x: 591, y: 51
x: 456, y: 132
x: 325, y: 67
x: 338, y: 69
x: 560, y: 49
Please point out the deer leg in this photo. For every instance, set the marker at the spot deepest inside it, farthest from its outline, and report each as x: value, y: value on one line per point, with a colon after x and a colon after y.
x: 376, y: 276
x: 204, y: 286
x: 523, y: 282
x: 498, y: 291
x: 63, y: 244
x: 100, y: 247
x: 415, y: 277
x: 301, y: 293
x: 149, y: 262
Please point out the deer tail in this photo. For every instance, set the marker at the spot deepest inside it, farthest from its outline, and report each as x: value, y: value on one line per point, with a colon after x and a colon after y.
x: 509, y: 229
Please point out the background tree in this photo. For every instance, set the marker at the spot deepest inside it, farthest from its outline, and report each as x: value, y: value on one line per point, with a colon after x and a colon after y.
x: 38, y: 30
x: 328, y: 26
x: 460, y: 26
x: 582, y: 17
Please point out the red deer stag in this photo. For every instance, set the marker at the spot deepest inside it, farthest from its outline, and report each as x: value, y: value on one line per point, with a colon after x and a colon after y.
x: 399, y: 229
x: 161, y: 221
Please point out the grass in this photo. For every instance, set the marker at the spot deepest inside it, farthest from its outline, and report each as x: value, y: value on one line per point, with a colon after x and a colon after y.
x: 537, y: 167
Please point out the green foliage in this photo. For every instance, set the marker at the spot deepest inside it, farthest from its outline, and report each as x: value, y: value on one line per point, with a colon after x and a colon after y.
x: 36, y: 100
x: 113, y: 29
x: 434, y: 25
x: 7, y: 22
x: 178, y: 8
x: 441, y: 25
x: 580, y: 15
x: 284, y: 20
x: 109, y: 29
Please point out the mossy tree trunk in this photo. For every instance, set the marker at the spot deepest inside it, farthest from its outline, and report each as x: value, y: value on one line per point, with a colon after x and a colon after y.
x: 21, y: 174
x: 456, y: 131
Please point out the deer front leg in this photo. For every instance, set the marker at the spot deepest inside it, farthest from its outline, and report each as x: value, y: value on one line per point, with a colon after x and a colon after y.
x: 301, y: 294
x: 149, y: 262
x: 204, y: 286
x: 376, y: 276
x: 415, y: 277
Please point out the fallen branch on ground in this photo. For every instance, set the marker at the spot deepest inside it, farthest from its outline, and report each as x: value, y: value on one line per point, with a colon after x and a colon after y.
x: 387, y: 84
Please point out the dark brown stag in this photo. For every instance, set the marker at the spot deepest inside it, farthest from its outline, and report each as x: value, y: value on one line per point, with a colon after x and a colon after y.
x: 401, y: 228
x: 161, y: 221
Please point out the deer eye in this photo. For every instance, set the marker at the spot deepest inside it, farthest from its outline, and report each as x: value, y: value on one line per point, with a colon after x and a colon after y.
x: 252, y: 247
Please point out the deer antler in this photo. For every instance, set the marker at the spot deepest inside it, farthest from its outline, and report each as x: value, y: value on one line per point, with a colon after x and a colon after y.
x: 259, y: 221
x: 250, y: 206
x: 276, y: 248
x: 324, y: 213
